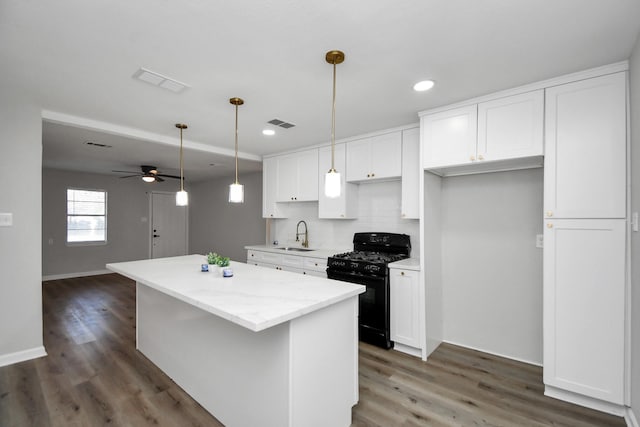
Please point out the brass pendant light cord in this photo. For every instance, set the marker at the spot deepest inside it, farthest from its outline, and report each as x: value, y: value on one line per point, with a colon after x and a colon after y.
x: 236, y: 143
x: 333, y: 119
x: 181, y: 164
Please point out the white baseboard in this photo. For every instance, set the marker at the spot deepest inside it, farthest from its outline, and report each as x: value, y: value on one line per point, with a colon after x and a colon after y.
x: 407, y: 349
x: 530, y: 362
x: 72, y: 275
x: 630, y: 418
x: 586, y: 401
x: 21, y: 356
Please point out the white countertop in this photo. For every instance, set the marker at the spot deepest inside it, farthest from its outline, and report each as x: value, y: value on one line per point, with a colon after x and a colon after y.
x: 406, y: 264
x: 314, y: 253
x: 256, y: 298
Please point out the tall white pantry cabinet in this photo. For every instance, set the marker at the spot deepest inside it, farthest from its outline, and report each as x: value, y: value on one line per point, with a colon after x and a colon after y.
x: 585, y: 229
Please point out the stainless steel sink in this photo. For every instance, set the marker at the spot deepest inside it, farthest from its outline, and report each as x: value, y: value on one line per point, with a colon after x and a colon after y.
x: 295, y: 249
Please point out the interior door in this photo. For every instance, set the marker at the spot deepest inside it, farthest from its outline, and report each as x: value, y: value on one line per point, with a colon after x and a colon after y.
x: 169, y: 225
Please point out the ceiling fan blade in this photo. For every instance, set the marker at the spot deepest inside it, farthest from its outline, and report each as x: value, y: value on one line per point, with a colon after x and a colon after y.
x: 158, y: 179
x: 168, y: 176
x: 129, y: 176
x: 136, y: 173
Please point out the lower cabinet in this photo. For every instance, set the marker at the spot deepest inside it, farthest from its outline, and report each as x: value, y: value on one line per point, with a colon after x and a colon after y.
x: 295, y: 263
x: 584, y: 310
x: 405, y: 308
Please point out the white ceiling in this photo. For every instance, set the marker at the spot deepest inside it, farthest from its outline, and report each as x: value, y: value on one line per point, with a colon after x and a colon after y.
x: 77, y: 58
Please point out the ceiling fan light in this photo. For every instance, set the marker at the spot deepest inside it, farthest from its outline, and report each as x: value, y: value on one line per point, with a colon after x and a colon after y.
x: 236, y: 193
x: 148, y: 178
x: 182, y: 198
x: 332, y: 184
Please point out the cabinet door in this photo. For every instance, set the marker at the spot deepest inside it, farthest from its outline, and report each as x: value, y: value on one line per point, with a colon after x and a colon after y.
x: 584, y: 307
x: 307, y: 175
x: 585, y: 152
x: 345, y: 206
x: 386, y: 155
x: 404, y: 305
x: 511, y: 127
x: 270, y: 209
x: 358, y: 160
x: 287, y: 178
x: 449, y: 137
x: 410, y: 173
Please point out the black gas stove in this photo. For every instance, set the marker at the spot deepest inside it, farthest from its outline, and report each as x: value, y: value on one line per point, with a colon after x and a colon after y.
x: 367, y: 265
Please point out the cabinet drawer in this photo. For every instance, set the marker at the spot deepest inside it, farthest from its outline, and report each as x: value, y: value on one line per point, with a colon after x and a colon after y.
x: 270, y: 258
x: 292, y: 261
x: 315, y: 264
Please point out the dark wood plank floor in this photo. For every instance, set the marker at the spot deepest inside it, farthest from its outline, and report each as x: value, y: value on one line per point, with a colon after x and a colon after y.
x: 93, y: 376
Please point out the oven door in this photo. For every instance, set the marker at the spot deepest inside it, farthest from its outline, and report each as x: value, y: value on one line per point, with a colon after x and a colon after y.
x: 374, y: 306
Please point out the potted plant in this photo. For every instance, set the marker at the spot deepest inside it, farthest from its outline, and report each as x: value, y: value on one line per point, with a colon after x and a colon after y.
x: 218, y: 261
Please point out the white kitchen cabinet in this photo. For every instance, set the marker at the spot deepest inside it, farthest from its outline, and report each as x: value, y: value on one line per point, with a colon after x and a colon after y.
x: 410, y: 204
x: 585, y: 154
x: 449, y: 137
x: 511, y: 127
x: 376, y: 157
x: 345, y: 206
x: 584, y: 308
x: 297, y: 176
x: 301, y: 264
x: 405, y: 307
x: 585, y: 234
x: 271, y: 209
x: 501, y: 134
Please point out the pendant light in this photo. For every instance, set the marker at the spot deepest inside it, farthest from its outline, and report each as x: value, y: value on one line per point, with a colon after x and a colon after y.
x: 332, y: 182
x: 182, y: 197
x: 236, y: 190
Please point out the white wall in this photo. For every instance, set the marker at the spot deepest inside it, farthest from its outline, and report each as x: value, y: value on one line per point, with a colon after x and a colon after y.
x: 378, y: 210
x: 20, y: 256
x: 634, y: 77
x: 127, y: 233
x: 226, y: 228
x: 491, y: 269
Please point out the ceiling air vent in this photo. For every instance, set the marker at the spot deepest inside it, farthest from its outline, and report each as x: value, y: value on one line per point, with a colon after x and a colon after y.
x: 281, y: 123
x: 159, y: 80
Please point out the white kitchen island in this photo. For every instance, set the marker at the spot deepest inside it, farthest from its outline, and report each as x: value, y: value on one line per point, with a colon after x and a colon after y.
x: 262, y: 348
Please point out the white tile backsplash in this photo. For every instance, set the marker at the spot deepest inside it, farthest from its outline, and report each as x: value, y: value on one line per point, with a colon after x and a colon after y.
x: 378, y: 210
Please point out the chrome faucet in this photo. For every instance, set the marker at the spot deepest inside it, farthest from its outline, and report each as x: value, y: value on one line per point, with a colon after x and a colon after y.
x: 305, y: 242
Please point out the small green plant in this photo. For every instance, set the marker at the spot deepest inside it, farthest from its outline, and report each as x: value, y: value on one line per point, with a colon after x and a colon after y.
x: 215, y: 259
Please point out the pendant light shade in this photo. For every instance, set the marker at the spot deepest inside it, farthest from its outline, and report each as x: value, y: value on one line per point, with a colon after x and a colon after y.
x: 182, y: 197
x: 236, y: 190
x: 332, y: 181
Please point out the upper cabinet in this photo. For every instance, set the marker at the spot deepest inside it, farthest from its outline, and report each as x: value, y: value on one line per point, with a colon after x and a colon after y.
x: 585, y: 159
x: 377, y: 157
x: 345, y: 206
x: 501, y: 134
x: 297, y: 176
x: 410, y: 204
x: 271, y: 209
x: 450, y: 137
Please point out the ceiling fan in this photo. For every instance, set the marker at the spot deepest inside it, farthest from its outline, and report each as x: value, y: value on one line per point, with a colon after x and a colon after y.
x: 148, y: 174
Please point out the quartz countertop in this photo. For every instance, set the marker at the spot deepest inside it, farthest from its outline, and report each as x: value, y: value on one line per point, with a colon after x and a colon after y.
x: 406, y: 264
x: 256, y: 298
x: 313, y: 253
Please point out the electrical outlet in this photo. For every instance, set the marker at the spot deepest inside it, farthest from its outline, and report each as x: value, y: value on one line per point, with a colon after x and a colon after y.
x: 539, y: 241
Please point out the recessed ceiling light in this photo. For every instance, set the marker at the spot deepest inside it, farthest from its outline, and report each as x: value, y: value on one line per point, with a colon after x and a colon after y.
x: 423, y: 85
x: 268, y: 132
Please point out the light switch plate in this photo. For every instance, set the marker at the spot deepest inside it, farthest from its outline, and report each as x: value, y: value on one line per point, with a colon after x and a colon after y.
x: 6, y: 219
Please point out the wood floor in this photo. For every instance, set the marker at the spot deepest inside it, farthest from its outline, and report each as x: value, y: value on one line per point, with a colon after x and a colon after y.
x: 93, y: 376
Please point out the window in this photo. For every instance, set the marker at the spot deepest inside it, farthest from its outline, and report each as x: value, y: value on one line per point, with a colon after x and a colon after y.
x: 86, y: 216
